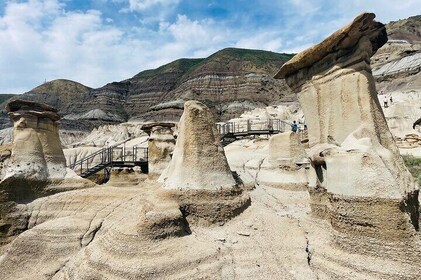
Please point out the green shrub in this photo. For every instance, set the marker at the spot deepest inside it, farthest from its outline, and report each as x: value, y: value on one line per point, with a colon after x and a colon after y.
x: 414, y: 166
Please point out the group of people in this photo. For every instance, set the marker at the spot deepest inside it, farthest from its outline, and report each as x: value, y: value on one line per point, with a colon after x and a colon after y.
x: 386, y: 100
x: 294, y: 126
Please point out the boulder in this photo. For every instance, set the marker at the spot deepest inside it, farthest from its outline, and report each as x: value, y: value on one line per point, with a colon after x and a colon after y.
x: 285, y: 166
x: 360, y: 181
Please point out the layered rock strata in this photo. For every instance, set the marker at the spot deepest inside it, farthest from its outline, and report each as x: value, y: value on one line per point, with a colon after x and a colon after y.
x: 36, y: 150
x: 37, y: 166
x: 361, y: 182
x: 199, y: 175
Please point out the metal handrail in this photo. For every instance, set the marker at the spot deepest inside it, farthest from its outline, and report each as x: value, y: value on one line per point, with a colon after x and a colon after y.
x: 73, y: 165
x: 234, y: 127
x: 108, y: 157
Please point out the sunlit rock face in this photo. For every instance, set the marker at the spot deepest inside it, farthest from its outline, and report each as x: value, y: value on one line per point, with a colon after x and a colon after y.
x: 361, y: 183
x: 36, y: 149
x: 199, y: 160
x: 284, y: 167
x: 160, y: 147
x: 198, y: 176
x: 36, y: 168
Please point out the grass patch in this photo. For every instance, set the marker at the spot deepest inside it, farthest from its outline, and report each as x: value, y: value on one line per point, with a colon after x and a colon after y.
x: 181, y: 65
x: 414, y: 166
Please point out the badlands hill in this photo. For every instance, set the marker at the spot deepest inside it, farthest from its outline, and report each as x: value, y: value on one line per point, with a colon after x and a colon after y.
x: 229, y: 81
x: 396, y: 66
x: 408, y: 29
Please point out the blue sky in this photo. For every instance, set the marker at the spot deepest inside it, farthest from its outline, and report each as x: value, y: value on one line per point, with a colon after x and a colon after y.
x: 99, y: 41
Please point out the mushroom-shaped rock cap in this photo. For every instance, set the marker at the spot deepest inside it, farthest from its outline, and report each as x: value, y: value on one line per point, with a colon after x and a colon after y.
x: 39, y: 109
x: 147, y: 127
x: 339, y: 42
x: 24, y: 105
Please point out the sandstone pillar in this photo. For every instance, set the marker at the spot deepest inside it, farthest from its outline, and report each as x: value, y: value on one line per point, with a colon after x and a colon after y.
x: 198, y: 175
x: 160, y: 147
x: 284, y: 167
x: 361, y: 181
x: 36, y: 151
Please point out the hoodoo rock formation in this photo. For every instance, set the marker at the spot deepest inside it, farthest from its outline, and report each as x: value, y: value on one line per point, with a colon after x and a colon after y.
x: 361, y: 182
x: 199, y: 160
x: 36, y: 151
x: 160, y: 147
x: 67, y: 232
x: 199, y: 174
x: 37, y: 166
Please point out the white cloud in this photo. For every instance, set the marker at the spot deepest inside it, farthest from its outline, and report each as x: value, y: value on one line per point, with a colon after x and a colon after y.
x: 142, y: 5
x: 193, y: 33
x: 42, y: 39
x: 269, y: 41
x: 82, y: 46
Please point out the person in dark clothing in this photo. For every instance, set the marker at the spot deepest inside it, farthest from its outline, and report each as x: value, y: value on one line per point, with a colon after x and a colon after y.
x: 294, y: 126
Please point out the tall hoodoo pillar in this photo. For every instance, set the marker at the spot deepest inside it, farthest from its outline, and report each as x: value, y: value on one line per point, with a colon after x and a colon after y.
x: 199, y: 175
x: 36, y: 152
x: 362, y: 184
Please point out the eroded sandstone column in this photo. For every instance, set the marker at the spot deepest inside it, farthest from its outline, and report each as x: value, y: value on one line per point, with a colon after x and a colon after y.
x: 199, y: 160
x: 160, y: 147
x: 36, y: 151
x: 361, y: 182
x: 198, y: 174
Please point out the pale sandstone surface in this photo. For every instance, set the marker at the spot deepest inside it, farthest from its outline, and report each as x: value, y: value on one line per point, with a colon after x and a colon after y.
x: 362, y: 187
x: 5, y: 153
x: 108, y: 135
x: 105, y: 233
x: 403, y: 112
x: 198, y: 160
x: 286, y: 165
x: 85, y: 235
x: 36, y: 148
x: 198, y: 176
x: 278, y: 162
x: 161, y: 144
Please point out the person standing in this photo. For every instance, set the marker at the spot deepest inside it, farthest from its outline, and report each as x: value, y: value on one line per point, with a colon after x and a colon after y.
x: 294, y: 126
